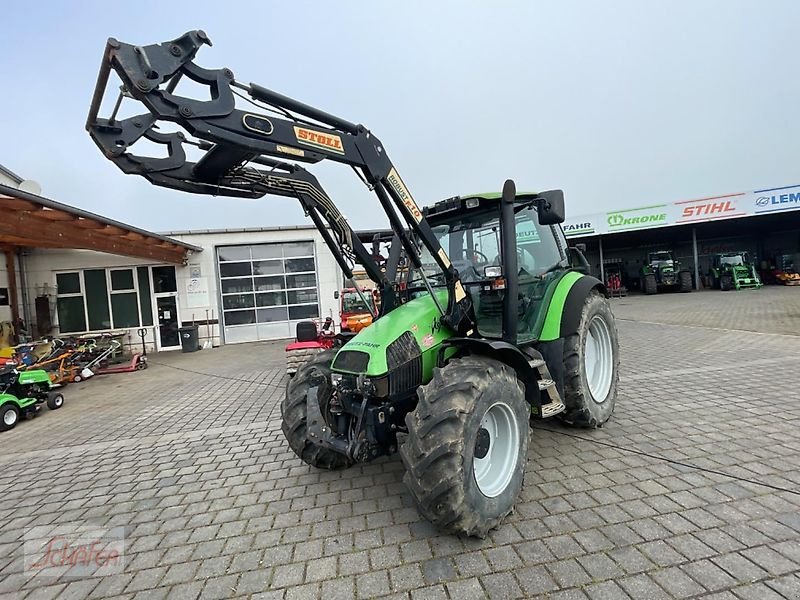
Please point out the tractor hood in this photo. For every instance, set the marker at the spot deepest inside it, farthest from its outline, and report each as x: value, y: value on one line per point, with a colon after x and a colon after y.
x: 410, y: 333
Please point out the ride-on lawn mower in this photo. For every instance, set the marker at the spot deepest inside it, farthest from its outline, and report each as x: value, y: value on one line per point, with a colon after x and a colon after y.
x: 733, y: 271
x: 22, y: 394
x: 662, y: 272
x: 495, y: 327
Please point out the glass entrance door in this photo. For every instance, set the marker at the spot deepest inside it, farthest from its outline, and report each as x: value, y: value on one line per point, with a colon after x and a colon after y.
x: 168, y: 322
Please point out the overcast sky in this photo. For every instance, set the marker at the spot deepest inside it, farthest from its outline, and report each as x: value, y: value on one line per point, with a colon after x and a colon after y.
x: 619, y: 103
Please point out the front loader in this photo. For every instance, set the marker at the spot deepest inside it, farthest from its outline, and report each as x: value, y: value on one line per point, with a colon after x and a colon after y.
x: 490, y: 327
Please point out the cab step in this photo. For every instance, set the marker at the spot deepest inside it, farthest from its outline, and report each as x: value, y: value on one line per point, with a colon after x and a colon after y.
x: 546, y: 383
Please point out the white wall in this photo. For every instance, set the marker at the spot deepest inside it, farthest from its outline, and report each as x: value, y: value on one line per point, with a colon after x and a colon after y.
x: 42, y: 264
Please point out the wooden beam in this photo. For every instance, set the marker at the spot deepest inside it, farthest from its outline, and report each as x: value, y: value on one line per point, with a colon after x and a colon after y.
x: 111, y: 230
x: 53, y: 215
x: 11, y: 270
x: 132, y: 235
x: 18, y: 204
x: 65, y: 234
x: 88, y: 224
x: 25, y: 242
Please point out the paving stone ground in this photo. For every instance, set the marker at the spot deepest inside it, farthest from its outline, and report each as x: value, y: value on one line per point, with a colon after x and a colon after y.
x: 691, y: 490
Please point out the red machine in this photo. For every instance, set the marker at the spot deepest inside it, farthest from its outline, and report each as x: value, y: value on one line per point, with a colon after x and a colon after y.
x: 309, y: 339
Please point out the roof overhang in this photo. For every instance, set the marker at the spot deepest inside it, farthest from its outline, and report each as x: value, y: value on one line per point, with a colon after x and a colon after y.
x: 31, y: 221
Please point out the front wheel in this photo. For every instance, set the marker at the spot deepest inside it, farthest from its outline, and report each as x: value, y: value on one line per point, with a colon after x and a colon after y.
x: 650, y: 284
x: 55, y: 401
x: 685, y: 279
x: 295, y: 415
x: 9, y: 416
x: 467, y: 445
x: 726, y: 283
x: 591, y: 365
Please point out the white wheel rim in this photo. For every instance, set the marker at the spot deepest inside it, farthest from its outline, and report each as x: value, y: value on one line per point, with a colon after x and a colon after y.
x: 598, y: 359
x: 9, y: 417
x: 58, y: 400
x: 494, y: 471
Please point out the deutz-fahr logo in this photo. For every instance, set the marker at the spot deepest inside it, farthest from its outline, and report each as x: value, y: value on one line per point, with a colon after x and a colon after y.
x: 577, y: 227
x: 317, y: 139
x: 620, y: 220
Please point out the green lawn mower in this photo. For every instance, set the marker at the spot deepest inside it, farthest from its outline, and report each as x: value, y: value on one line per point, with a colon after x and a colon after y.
x: 663, y: 273
x: 493, y: 322
x: 22, y: 394
x: 733, y: 271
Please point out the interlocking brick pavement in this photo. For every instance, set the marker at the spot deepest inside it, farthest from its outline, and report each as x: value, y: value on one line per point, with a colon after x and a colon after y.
x: 691, y: 490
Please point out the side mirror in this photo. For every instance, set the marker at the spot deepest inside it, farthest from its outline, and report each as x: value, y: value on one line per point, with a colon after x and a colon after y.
x: 550, y: 206
x: 336, y: 294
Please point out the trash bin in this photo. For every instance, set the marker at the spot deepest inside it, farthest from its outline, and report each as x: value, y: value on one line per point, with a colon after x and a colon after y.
x: 190, y: 340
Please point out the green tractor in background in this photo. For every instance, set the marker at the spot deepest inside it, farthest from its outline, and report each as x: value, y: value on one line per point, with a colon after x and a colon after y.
x: 493, y: 322
x: 733, y: 271
x: 663, y: 273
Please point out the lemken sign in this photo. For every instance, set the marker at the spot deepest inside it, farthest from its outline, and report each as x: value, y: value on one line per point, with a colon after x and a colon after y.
x: 773, y: 202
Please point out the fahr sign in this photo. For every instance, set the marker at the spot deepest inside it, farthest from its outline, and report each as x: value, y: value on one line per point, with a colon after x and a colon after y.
x: 637, y: 218
x: 707, y: 209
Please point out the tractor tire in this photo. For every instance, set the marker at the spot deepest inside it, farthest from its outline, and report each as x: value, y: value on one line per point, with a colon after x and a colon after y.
x: 650, y: 284
x: 9, y: 416
x: 591, y: 366
x: 55, y: 401
x: 726, y: 283
x: 467, y: 445
x: 293, y: 414
x: 685, y: 279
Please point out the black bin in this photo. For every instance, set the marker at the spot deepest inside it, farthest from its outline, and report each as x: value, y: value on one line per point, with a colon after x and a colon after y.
x: 190, y: 338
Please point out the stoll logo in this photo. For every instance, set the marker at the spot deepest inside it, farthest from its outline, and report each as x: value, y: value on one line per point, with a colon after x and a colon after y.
x: 638, y: 218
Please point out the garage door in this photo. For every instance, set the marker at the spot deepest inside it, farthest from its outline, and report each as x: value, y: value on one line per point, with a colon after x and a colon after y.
x: 266, y: 289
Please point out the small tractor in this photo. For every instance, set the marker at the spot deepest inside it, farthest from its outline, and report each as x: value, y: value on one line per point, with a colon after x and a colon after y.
x: 733, y: 271
x: 494, y: 324
x: 22, y: 394
x: 662, y: 273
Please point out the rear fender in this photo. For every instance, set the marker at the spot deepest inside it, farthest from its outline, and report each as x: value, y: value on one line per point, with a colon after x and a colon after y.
x: 18, y: 402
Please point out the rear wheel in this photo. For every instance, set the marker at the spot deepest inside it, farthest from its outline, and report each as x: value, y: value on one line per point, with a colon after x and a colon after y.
x: 467, y: 445
x: 9, y: 416
x: 685, y: 279
x: 650, y: 284
x: 294, y: 414
x: 726, y: 283
x: 591, y: 366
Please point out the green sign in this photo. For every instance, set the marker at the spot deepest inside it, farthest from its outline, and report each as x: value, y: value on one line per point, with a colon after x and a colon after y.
x: 638, y: 218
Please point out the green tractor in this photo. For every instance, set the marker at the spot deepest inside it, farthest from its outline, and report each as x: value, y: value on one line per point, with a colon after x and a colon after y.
x: 663, y: 273
x: 494, y: 321
x: 22, y: 394
x: 733, y: 271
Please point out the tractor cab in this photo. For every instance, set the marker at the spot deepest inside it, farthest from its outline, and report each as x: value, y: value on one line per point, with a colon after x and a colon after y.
x: 470, y: 230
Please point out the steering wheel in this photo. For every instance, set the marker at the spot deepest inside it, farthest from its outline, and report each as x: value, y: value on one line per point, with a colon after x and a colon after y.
x: 475, y: 254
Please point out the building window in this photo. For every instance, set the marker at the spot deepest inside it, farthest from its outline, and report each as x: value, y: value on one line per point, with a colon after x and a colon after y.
x: 103, y: 299
x: 268, y: 283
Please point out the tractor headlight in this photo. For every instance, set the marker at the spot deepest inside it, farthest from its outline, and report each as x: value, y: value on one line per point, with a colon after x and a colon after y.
x: 493, y: 271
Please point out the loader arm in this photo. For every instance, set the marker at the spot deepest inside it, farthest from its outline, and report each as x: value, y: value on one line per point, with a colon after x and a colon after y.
x: 236, y: 143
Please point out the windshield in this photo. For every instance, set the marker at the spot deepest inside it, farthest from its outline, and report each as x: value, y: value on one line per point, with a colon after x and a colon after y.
x: 352, y: 303
x: 660, y: 258
x: 732, y: 260
x: 472, y: 242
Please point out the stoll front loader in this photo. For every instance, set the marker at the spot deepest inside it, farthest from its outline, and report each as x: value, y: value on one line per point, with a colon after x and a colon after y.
x: 493, y: 326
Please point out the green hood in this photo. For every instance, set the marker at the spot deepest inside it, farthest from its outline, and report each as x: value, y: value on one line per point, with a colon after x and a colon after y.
x: 34, y: 376
x: 419, y: 317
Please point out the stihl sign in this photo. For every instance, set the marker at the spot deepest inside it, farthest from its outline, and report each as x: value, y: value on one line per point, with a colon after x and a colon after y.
x: 325, y: 141
x: 708, y: 209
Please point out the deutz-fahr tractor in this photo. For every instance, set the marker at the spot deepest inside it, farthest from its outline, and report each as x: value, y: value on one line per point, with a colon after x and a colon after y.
x: 733, y: 271
x: 662, y: 273
x: 491, y: 327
